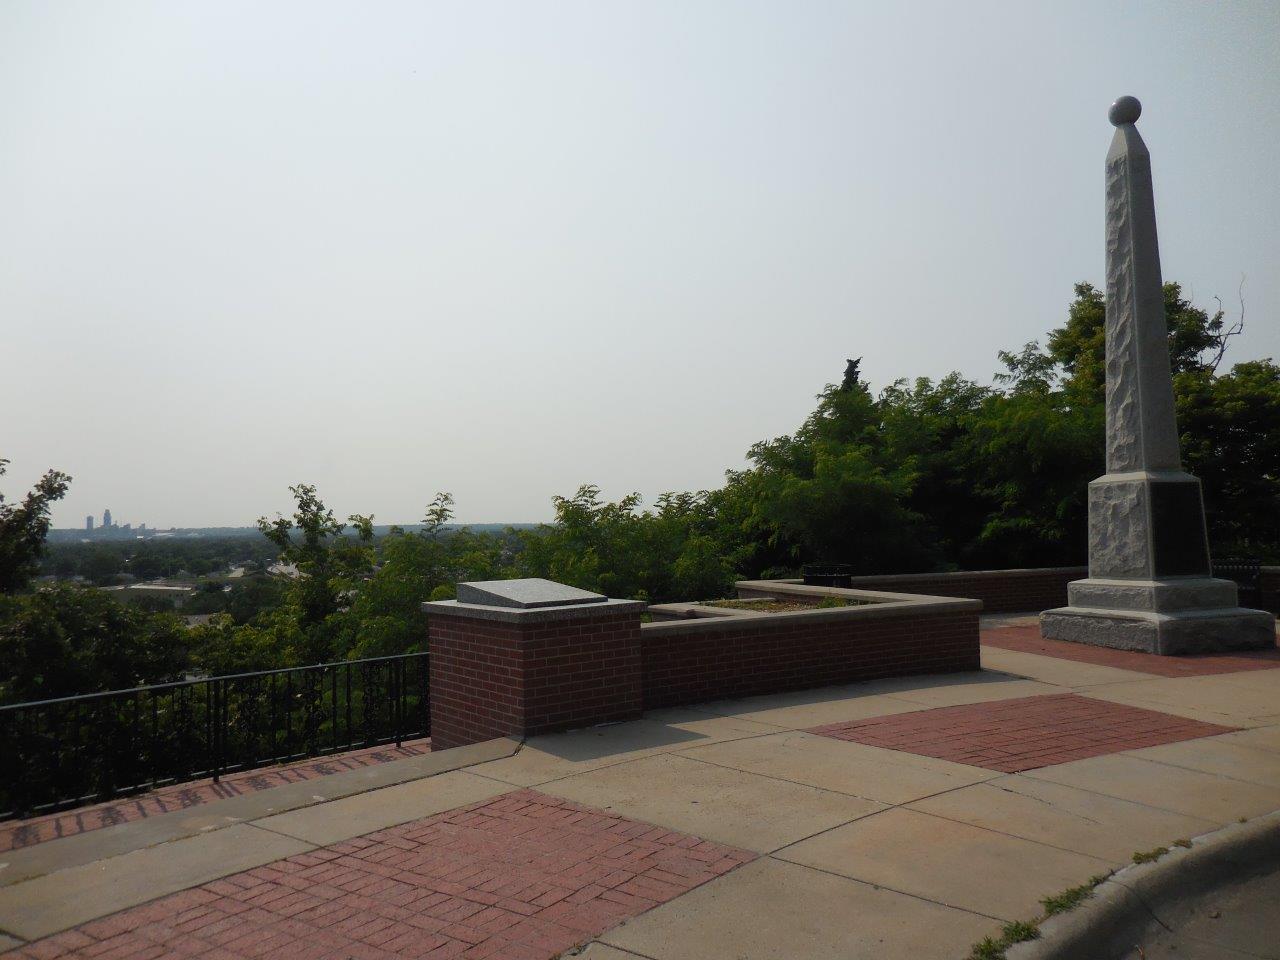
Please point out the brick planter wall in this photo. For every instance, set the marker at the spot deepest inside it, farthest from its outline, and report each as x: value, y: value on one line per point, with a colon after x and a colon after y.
x: 1001, y: 591
x: 709, y: 659
x: 492, y: 678
x: 500, y: 672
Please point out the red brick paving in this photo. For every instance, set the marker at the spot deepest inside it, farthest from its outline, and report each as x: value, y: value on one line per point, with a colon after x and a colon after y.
x: 524, y: 876
x: 1022, y: 734
x: 25, y: 833
x: 1027, y: 639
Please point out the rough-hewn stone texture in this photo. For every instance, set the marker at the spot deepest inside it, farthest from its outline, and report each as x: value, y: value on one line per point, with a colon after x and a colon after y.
x: 1195, y: 631
x: 1119, y: 532
x: 1146, y: 516
x: 1141, y: 431
x: 1165, y: 597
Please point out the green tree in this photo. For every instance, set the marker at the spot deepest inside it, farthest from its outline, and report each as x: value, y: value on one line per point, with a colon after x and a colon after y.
x: 224, y: 646
x: 24, y: 527
x: 620, y: 550
x: 1230, y: 427
x: 386, y: 617
x: 839, y: 491
x: 328, y: 562
x: 102, y: 566
x: 1079, y: 347
x: 955, y: 474
x: 70, y: 640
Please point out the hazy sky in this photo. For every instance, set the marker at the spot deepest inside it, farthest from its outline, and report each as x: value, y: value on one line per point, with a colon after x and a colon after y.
x: 503, y: 249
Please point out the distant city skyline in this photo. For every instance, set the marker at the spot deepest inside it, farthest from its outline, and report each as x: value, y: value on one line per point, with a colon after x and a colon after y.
x: 108, y: 525
x: 506, y: 249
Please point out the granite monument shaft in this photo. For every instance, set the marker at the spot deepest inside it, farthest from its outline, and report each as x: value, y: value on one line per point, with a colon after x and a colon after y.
x: 1150, y: 585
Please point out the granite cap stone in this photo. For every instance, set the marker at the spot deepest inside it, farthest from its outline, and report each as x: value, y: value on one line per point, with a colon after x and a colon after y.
x: 525, y: 594
x: 533, y: 615
x: 531, y: 600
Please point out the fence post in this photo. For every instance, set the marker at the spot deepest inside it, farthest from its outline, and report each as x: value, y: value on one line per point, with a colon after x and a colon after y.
x: 217, y: 728
x: 398, y: 674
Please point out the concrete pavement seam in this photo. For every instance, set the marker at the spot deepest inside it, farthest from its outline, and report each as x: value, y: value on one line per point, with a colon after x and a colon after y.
x: 600, y: 938
x: 1031, y: 774
x: 618, y: 763
x: 1211, y: 773
x: 881, y: 886
x: 842, y: 793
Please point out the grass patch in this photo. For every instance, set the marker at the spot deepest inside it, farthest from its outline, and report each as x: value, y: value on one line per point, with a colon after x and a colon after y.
x: 1072, y: 897
x: 1150, y: 856
x: 993, y: 948
x: 830, y: 603
x: 1184, y: 844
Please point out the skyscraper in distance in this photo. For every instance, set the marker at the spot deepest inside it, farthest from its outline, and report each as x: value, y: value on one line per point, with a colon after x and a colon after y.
x: 88, y: 523
x: 106, y: 518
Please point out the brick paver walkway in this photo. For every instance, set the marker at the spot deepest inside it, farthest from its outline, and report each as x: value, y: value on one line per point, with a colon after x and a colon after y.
x: 24, y: 833
x: 524, y: 876
x: 1027, y: 639
x: 1022, y: 734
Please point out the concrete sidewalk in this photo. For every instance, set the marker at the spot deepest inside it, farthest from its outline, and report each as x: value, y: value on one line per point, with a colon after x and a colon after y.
x: 805, y: 844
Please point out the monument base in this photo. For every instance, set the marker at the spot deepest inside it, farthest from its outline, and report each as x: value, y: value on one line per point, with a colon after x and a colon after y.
x: 1170, y: 633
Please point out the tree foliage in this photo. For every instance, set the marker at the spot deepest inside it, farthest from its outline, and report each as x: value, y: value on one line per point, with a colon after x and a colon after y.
x: 922, y: 475
x: 68, y: 639
x: 954, y: 474
x: 24, y: 527
x: 620, y: 550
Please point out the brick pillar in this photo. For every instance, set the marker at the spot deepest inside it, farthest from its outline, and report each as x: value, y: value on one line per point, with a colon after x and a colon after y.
x: 515, y: 667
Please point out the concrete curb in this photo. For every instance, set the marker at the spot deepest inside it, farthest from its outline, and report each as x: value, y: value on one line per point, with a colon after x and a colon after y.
x: 1107, y: 925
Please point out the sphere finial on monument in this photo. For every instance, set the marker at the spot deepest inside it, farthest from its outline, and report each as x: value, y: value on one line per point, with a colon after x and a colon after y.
x: 1125, y: 110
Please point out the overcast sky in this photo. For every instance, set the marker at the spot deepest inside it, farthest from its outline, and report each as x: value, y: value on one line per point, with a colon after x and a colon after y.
x: 503, y: 249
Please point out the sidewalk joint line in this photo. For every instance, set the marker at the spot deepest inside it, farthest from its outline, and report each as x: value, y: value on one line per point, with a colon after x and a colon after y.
x: 795, y: 783
x: 1207, y: 773
x: 1032, y: 775
x: 599, y: 938
x: 1014, y: 836
x: 874, y: 813
x: 617, y: 763
x: 290, y: 836
x: 881, y: 886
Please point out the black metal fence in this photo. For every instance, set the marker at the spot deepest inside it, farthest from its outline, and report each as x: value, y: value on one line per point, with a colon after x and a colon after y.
x: 71, y: 751
x: 1246, y: 572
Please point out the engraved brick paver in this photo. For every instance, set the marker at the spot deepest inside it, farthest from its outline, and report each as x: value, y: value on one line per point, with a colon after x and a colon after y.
x: 23, y: 833
x: 1027, y: 639
x: 524, y: 876
x: 1024, y: 733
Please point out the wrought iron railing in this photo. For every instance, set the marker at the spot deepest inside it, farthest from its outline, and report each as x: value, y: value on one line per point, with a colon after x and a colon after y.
x: 1246, y: 572
x: 71, y: 751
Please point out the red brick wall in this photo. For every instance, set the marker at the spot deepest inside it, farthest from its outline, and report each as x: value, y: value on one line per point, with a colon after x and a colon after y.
x: 1001, y: 591
x: 492, y: 679
x: 691, y: 665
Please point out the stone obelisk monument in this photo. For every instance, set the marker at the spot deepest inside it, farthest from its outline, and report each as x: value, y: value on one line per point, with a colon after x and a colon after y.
x: 1149, y: 586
